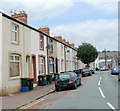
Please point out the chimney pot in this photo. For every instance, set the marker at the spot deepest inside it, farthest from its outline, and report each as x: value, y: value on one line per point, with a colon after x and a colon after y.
x: 22, y: 16
x: 72, y: 45
x: 45, y: 29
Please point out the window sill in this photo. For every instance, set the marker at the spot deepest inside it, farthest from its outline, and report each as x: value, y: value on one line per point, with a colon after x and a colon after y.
x: 15, y: 43
x: 14, y: 78
x: 51, y: 51
x: 41, y: 49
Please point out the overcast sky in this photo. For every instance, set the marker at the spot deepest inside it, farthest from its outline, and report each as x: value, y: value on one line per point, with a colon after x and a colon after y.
x: 78, y: 21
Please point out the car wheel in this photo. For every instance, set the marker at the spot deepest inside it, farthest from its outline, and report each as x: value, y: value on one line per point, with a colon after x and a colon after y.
x: 80, y: 83
x: 57, y: 89
x: 75, y: 85
x: 90, y: 74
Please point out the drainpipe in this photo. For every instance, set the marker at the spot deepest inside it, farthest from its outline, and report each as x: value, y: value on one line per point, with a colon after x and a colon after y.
x: 65, y: 57
x: 47, y: 56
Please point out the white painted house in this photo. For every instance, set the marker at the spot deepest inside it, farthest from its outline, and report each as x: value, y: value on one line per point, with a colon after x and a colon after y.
x: 24, y: 53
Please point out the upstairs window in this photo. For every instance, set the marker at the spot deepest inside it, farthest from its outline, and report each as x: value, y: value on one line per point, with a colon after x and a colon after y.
x: 14, y: 33
x: 41, y: 43
x: 51, y: 45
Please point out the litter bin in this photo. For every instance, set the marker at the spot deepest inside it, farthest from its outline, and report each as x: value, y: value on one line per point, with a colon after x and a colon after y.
x: 27, y: 82
x: 30, y: 83
x: 49, y: 78
x: 41, y: 80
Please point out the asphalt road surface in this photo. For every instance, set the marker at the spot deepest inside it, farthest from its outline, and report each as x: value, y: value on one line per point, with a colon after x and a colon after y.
x: 99, y: 91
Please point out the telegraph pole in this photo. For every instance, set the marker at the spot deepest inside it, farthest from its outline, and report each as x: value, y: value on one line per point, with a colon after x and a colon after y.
x: 105, y: 59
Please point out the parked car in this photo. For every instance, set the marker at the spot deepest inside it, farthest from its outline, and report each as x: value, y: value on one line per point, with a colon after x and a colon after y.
x: 115, y: 70
x: 93, y: 71
x: 86, y: 72
x: 102, y: 69
x: 119, y: 77
x: 67, y: 80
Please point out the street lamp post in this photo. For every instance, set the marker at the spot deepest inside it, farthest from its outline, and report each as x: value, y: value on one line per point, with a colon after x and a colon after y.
x: 105, y: 58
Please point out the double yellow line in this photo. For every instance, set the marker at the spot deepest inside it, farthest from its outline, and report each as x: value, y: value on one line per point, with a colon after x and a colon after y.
x: 31, y: 104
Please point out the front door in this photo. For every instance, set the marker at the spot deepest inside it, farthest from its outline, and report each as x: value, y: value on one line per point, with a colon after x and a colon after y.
x: 34, y: 68
x: 56, y: 62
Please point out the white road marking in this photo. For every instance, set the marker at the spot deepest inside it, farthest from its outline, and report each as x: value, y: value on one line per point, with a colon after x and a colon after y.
x: 99, y: 81
x: 111, y: 106
x: 101, y: 92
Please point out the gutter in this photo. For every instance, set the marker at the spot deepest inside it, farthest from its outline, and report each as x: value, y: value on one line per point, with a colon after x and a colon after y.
x: 5, y: 15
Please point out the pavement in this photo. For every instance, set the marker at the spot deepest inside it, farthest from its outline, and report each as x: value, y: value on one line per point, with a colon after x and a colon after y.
x: 17, y: 100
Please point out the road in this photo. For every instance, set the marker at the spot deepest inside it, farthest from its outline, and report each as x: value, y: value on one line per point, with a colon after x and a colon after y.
x: 99, y: 91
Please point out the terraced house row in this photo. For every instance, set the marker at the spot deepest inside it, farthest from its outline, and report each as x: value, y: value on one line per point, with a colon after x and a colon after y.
x: 29, y: 52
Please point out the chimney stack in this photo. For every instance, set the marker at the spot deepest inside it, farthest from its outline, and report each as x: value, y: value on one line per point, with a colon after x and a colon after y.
x: 64, y: 41
x: 67, y: 42
x: 58, y: 38
x: 72, y: 45
x: 22, y: 16
x: 45, y: 30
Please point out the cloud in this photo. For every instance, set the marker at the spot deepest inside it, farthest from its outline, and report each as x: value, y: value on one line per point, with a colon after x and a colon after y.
x: 38, y: 9
x: 100, y: 33
x: 107, y: 7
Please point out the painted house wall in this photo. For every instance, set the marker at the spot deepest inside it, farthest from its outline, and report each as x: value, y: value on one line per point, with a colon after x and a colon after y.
x: 72, y: 62
x: 26, y: 50
x: 28, y: 46
x: 0, y: 52
x: 67, y: 59
x: 10, y: 84
x: 60, y: 56
x: 36, y: 51
x: 54, y: 54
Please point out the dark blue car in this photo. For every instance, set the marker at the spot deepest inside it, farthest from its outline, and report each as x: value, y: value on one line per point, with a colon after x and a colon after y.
x: 67, y: 80
x: 115, y: 70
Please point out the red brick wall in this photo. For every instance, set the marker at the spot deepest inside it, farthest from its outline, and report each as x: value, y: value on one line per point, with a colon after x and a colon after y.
x: 22, y: 16
x: 45, y: 30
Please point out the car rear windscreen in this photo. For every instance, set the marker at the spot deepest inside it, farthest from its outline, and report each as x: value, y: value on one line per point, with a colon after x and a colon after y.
x: 63, y: 76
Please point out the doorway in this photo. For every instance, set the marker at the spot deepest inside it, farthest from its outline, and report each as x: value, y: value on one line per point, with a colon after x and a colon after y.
x: 34, y: 68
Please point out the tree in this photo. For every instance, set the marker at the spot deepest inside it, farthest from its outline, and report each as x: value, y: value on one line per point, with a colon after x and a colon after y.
x: 87, y: 53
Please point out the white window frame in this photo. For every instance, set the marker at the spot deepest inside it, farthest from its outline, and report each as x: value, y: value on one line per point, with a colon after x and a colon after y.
x: 41, y: 42
x: 51, y: 45
x: 51, y: 62
x: 41, y: 65
x: 61, y: 65
x: 15, y: 61
x: 15, y: 35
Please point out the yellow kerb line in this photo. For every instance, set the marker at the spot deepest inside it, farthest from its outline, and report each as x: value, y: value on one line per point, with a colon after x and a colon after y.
x: 31, y: 104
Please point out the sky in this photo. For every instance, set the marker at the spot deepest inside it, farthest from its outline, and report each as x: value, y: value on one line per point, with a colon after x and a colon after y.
x: 77, y: 21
